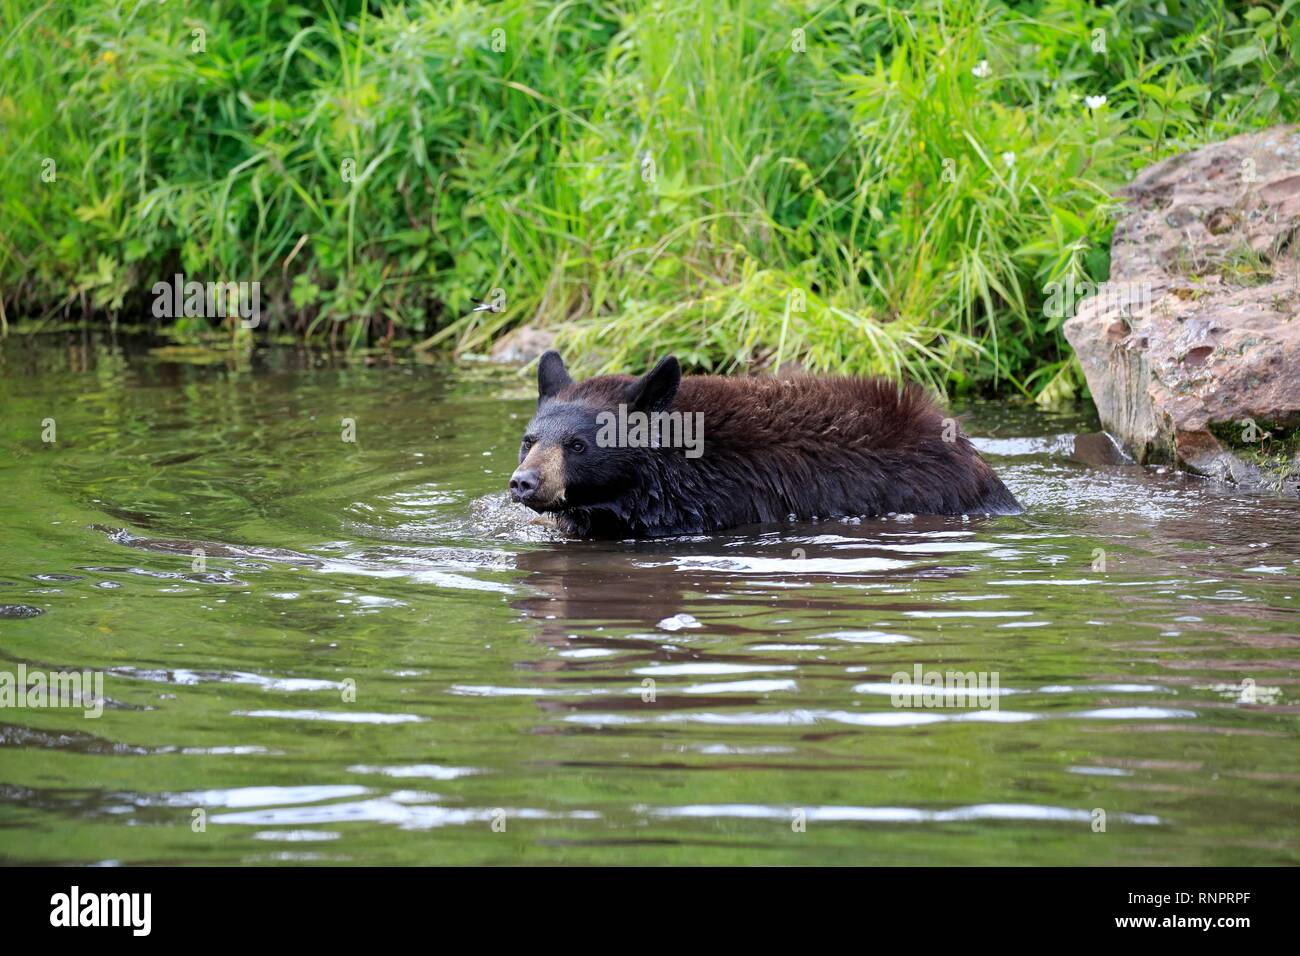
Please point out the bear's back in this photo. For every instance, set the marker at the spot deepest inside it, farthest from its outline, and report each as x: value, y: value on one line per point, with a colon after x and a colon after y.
x: 841, y: 410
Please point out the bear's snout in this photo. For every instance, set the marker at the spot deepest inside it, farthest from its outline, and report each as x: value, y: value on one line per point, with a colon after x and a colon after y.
x: 523, y: 485
x: 538, y: 482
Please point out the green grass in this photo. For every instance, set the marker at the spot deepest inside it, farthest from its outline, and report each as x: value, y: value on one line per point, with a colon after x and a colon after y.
x: 873, y: 186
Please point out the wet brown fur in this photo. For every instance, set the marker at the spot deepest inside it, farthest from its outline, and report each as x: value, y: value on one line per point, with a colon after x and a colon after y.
x: 775, y: 449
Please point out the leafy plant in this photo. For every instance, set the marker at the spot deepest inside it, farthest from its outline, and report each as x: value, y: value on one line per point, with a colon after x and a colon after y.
x: 876, y: 186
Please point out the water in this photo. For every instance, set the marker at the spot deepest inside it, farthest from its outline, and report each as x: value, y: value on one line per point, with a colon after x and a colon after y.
x: 376, y: 659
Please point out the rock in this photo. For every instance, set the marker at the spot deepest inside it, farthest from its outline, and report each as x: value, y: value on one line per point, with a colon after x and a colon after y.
x: 522, y: 345
x: 1099, y: 450
x: 790, y: 368
x: 1192, y: 348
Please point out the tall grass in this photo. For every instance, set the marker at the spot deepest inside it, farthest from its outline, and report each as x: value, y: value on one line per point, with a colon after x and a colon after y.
x: 872, y: 186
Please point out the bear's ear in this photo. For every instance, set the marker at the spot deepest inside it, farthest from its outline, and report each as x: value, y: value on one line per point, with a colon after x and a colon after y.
x: 551, y: 375
x: 654, y: 391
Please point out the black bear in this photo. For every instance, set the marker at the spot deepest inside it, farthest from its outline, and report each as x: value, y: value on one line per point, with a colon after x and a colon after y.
x: 623, y: 457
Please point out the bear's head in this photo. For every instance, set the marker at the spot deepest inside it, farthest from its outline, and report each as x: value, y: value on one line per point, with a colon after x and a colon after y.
x: 571, y: 455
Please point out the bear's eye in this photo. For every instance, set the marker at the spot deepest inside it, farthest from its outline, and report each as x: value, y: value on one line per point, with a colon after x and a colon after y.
x: 576, y: 445
x: 528, y: 441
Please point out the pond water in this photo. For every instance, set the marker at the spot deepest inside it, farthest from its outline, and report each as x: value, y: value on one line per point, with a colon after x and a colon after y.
x: 314, y: 649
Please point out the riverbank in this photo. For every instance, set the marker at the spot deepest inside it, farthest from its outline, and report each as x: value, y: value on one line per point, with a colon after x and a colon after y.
x: 891, y: 189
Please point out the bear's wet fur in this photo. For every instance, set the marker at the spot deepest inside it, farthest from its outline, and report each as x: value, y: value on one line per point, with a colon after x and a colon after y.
x: 773, y: 450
